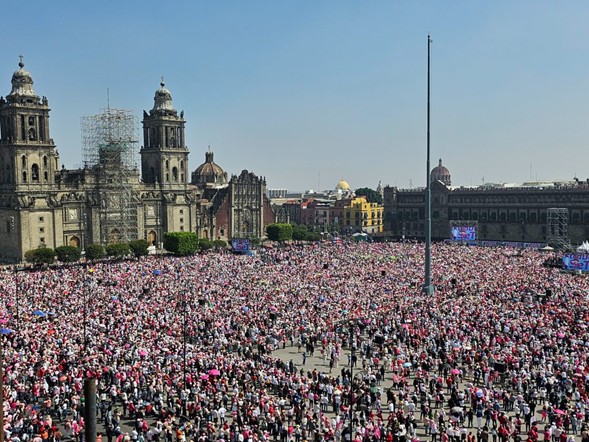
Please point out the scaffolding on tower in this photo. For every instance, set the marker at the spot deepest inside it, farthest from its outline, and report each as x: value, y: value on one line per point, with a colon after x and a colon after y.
x: 557, y: 229
x: 109, y: 142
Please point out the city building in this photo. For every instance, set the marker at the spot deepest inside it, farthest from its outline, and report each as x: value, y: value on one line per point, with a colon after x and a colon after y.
x: 362, y: 216
x: 108, y: 199
x: 500, y: 212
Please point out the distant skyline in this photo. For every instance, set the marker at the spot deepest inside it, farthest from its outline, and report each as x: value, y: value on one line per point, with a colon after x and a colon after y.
x: 308, y: 92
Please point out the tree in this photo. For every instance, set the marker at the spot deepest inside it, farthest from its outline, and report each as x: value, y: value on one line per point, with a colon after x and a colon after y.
x: 43, y: 255
x: 279, y: 232
x: 68, y: 253
x: 372, y: 196
x: 181, y: 243
x: 118, y: 250
x: 94, y: 251
x: 139, y: 247
x: 299, y: 233
x: 219, y: 244
x: 205, y: 244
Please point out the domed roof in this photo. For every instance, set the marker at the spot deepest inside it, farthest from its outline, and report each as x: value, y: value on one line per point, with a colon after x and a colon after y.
x: 441, y: 173
x: 163, y: 100
x: 209, y: 173
x: 22, y: 83
x: 342, y: 185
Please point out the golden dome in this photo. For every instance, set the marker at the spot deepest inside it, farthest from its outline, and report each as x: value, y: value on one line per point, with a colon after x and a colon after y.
x: 342, y: 185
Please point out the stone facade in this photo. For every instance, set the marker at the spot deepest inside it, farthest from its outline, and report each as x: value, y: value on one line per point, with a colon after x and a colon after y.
x: 42, y: 204
x: 502, y: 213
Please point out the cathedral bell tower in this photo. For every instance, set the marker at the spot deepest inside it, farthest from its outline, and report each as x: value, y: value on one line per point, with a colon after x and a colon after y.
x: 164, y: 156
x: 28, y: 156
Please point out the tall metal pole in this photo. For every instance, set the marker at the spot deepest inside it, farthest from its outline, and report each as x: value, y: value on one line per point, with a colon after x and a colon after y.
x: 428, y: 288
x: 90, y: 409
x: 352, y: 354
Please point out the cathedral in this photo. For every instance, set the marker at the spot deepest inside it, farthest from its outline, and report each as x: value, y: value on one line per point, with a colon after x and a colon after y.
x: 108, y: 200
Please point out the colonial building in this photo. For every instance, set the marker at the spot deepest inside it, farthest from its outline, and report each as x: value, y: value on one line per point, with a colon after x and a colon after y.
x: 110, y: 200
x: 518, y: 213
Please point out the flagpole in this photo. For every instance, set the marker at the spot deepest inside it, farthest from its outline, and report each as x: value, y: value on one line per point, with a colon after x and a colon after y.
x: 428, y: 288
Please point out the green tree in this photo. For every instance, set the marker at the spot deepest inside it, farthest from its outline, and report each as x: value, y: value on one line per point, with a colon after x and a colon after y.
x: 372, y: 196
x: 43, y: 255
x: 139, y: 247
x: 299, y: 233
x: 118, y: 250
x: 219, y: 244
x: 68, y: 253
x: 205, y: 244
x: 181, y: 243
x: 279, y: 232
x: 95, y: 251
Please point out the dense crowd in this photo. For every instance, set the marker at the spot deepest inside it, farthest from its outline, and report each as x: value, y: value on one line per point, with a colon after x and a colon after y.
x: 186, y: 348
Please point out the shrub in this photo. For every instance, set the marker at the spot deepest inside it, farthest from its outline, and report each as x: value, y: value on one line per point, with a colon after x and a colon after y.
x: 43, y: 255
x: 205, y: 244
x: 139, y: 247
x: 68, y: 253
x: 118, y: 250
x: 94, y: 251
x: 219, y: 244
x: 279, y: 232
x: 181, y: 243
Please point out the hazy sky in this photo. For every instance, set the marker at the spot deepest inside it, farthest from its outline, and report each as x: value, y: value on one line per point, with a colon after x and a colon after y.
x: 307, y: 92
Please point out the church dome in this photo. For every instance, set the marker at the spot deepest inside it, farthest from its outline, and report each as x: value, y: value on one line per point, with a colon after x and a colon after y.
x: 342, y: 185
x: 163, y: 100
x: 22, y: 83
x: 441, y: 173
x: 209, y: 173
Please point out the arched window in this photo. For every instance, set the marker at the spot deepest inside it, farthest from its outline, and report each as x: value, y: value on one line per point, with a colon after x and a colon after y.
x: 24, y: 176
x: 167, y: 165
x: 23, y: 160
x: 167, y: 177
x: 45, y: 162
x: 175, y: 173
x: 34, y: 172
x: 32, y: 135
x: 45, y: 176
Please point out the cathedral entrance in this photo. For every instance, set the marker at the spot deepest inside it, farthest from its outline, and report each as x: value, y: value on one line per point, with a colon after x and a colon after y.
x: 74, y: 242
x: 151, y: 238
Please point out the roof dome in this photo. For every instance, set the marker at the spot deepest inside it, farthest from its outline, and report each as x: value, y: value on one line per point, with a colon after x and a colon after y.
x: 163, y: 100
x: 441, y: 173
x: 342, y: 185
x: 22, y: 83
x: 209, y: 173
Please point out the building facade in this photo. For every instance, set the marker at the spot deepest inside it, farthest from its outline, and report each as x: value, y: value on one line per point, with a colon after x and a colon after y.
x: 517, y: 213
x: 108, y: 200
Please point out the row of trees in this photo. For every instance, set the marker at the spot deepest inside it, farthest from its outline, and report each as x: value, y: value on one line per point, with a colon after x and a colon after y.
x: 178, y: 243
x: 285, y: 232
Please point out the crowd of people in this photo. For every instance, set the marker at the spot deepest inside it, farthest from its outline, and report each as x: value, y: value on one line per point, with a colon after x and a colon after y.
x: 300, y: 343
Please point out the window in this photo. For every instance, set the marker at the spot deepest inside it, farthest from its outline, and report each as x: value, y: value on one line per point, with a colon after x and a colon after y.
x: 175, y: 173
x: 181, y: 220
x: 24, y: 176
x: 181, y: 211
x: 35, y: 172
x: 41, y: 229
x: 23, y: 160
x: 41, y: 219
x: 31, y: 121
x: 42, y: 240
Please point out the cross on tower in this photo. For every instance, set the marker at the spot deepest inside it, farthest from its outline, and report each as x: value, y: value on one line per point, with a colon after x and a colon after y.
x: 21, y: 60
x: 163, y: 80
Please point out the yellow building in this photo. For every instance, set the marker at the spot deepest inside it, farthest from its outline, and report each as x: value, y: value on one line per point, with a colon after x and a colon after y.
x: 362, y: 216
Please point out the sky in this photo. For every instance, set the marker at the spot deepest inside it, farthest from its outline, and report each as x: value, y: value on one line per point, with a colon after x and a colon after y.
x: 307, y: 92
